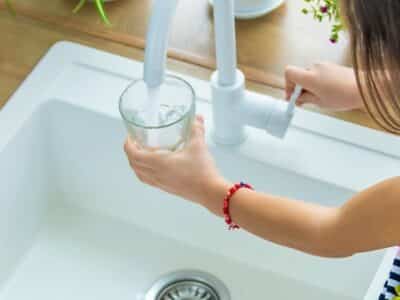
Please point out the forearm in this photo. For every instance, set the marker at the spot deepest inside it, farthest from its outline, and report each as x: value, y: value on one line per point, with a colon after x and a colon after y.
x: 366, y: 222
x: 286, y: 222
x: 370, y: 220
x: 295, y: 224
x: 350, y: 88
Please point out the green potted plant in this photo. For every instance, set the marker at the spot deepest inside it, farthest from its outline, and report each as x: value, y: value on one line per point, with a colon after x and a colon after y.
x: 99, y: 4
x: 326, y: 9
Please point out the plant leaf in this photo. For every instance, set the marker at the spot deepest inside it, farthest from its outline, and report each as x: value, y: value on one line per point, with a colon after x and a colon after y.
x: 10, y: 7
x: 102, y: 13
x: 79, y: 6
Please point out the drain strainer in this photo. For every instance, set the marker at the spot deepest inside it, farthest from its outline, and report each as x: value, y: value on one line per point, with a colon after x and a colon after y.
x: 188, y: 285
x: 188, y: 290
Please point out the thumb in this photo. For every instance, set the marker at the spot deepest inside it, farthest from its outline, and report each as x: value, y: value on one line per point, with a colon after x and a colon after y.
x: 198, y: 130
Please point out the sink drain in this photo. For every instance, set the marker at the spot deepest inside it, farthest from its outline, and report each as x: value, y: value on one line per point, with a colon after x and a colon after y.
x: 188, y: 285
x: 188, y: 290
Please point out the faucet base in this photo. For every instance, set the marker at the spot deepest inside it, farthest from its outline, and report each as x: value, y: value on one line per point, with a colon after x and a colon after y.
x: 234, y: 109
x: 227, y: 100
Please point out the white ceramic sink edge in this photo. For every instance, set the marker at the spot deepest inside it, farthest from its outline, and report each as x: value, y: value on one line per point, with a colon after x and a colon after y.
x: 319, y: 151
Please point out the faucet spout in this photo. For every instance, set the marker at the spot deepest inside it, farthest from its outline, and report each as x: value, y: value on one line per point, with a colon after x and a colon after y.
x: 157, y: 42
x: 225, y: 42
x: 158, y: 34
x: 233, y: 108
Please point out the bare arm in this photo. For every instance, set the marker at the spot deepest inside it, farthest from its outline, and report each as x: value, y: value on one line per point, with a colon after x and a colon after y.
x: 366, y: 222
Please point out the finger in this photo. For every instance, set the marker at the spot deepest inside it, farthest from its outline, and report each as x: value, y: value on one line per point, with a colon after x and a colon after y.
x: 135, y: 165
x: 141, y: 156
x: 132, y: 161
x: 307, y: 97
x: 144, y: 173
x: 295, y: 75
x: 289, y: 87
x: 198, y: 130
x: 146, y: 178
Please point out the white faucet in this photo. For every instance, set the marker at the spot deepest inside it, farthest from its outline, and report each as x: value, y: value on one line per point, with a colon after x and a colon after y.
x: 233, y: 109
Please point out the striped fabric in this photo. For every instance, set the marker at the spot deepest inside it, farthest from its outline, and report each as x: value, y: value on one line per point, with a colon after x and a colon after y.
x: 391, y: 289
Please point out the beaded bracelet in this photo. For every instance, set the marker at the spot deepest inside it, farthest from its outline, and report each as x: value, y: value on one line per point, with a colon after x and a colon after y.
x: 229, y: 195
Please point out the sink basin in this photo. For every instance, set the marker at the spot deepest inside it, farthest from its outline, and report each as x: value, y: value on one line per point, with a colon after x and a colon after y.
x: 75, y: 223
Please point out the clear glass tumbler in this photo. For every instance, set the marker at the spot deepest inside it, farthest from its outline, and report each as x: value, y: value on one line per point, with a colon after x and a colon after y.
x: 159, y: 118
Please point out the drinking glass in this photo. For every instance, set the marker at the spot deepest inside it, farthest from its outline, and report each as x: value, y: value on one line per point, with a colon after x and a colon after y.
x: 159, y: 118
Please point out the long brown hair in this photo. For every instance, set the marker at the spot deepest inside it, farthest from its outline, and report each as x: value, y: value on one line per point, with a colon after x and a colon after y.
x: 374, y: 27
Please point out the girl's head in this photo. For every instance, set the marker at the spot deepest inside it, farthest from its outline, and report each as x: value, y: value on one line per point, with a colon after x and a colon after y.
x: 374, y: 27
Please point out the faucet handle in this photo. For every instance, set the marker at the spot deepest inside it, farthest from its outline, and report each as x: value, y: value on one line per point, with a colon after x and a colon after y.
x: 282, y: 114
x: 293, y: 99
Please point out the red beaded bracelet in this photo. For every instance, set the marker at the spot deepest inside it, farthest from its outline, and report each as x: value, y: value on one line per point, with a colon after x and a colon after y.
x: 229, y: 195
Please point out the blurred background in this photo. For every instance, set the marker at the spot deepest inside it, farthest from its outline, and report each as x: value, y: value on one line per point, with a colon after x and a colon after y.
x: 265, y: 45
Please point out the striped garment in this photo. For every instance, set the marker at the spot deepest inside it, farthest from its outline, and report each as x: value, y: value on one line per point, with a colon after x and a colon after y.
x: 391, y: 290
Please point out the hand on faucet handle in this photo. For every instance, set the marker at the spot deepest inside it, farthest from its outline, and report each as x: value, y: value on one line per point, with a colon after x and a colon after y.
x: 326, y: 85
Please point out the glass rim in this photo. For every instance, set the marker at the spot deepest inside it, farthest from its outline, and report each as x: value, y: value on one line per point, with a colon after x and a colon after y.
x: 192, y: 104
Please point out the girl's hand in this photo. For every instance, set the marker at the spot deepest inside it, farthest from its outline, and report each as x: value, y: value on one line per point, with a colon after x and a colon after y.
x: 326, y: 85
x: 190, y: 173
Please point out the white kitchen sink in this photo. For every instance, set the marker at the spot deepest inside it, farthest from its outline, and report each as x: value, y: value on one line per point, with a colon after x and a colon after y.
x: 75, y: 223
